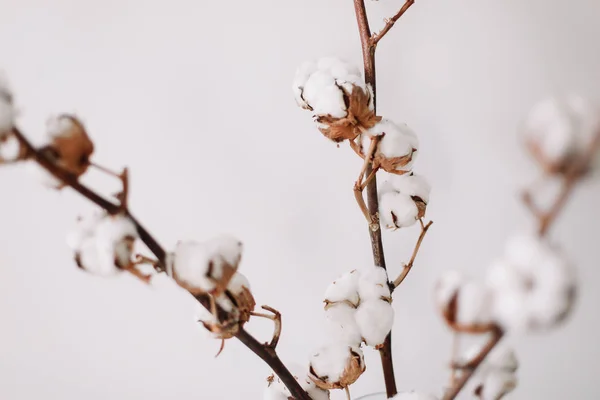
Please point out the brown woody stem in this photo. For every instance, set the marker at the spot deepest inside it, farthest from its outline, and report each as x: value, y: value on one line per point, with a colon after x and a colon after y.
x: 368, y: 44
x: 263, y: 351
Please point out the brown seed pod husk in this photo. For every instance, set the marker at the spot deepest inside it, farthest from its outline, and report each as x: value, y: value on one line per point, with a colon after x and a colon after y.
x: 244, y: 302
x: 71, y: 148
x: 360, y: 116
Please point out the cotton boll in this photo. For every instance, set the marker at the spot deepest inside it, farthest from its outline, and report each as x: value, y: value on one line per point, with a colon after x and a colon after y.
x: 336, y: 366
x: 397, y: 210
x: 375, y: 319
x: 343, y: 289
x: 342, y: 326
x: 414, y: 396
x: 373, y: 284
x: 560, y: 130
x: 534, y: 287
x: 335, y: 92
x: 69, y: 145
x: 496, y: 384
x: 474, y: 304
x: 206, y: 267
x: 115, y: 235
x: 447, y: 287
x: 397, y: 148
x: 191, y: 262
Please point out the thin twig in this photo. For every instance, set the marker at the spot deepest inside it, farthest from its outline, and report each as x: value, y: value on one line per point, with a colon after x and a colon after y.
x: 390, y: 22
x: 264, y: 352
x: 408, y: 267
x: 276, y: 318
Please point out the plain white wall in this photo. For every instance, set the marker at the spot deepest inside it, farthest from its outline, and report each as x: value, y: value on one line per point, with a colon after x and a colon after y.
x: 194, y: 96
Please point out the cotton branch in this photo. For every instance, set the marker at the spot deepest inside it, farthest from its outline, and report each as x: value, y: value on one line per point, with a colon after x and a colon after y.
x: 576, y: 171
x: 265, y: 351
x: 368, y: 44
x: 389, y: 23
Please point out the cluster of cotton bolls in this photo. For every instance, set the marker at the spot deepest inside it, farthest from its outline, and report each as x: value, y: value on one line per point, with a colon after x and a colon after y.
x: 559, y: 131
x: 531, y: 288
x: 358, y: 311
x: 496, y: 376
x: 211, y: 267
x: 103, y: 243
x: 342, y: 106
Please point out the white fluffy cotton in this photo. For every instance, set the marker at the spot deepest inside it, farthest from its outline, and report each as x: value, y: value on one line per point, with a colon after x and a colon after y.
x: 201, y: 265
x: 413, y: 185
x: 332, y: 360
x: 59, y: 125
x: 7, y: 110
x: 275, y: 389
x: 320, y: 86
x: 344, y: 289
x: 237, y: 283
x: 563, y: 127
x: 373, y: 284
x: 375, y: 319
x: 397, y: 210
x: 534, y: 285
x: 473, y: 298
x: 103, y: 243
x: 496, y: 384
x: 397, y: 199
x: 341, y: 324
x: 9, y: 148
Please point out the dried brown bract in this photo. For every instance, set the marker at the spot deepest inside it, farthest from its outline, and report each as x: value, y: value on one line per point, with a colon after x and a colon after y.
x: 360, y: 117
x: 70, y: 146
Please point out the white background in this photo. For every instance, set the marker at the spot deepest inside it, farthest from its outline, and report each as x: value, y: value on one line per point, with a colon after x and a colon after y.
x: 194, y: 96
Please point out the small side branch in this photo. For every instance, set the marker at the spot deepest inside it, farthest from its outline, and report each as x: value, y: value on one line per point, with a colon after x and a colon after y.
x: 408, y: 267
x: 360, y: 185
x: 390, y: 23
x: 266, y: 353
x: 276, y: 318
